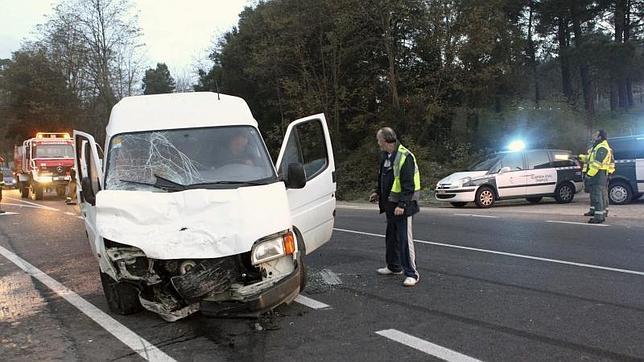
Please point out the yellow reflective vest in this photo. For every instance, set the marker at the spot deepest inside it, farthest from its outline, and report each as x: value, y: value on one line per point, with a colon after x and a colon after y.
x: 607, y: 164
x: 399, y: 161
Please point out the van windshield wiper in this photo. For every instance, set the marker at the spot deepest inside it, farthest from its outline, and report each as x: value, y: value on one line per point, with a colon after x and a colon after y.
x: 226, y: 182
x: 161, y: 183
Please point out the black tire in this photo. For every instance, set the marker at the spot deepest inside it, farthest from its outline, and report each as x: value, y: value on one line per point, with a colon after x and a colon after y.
x: 458, y: 204
x: 122, y: 298
x: 303, y: 275
x: 565, y: 192
x: 485, y: 197
x: 619, y: 193
x: 38, y: 192
x: 24, y: 190
x: 300, y: 262
x: 534, y: 200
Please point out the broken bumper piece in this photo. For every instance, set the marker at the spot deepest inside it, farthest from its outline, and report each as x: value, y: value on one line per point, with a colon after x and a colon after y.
x: 253, y: 303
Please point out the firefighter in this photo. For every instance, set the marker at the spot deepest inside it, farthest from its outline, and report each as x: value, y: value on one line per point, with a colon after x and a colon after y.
x: 599, y: 166
x: 1, y: 185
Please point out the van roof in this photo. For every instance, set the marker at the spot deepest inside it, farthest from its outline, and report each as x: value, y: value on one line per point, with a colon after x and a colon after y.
x: 178, y: 110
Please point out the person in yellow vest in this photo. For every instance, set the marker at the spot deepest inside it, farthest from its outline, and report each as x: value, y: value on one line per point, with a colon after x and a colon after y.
x: 600, y: 163
x: 397, y: 194
x: 584, y: 158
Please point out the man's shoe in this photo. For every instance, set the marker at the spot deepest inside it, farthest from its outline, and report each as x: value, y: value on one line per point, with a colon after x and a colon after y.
x: 387, y: 271
x: 589, y: 213
x: 595, y: 221
x: 410, y: 282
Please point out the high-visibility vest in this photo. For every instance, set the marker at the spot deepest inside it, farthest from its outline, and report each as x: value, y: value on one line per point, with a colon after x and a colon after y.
x: 584, y: 159
x: 595, y: 166
x: 399, y: 161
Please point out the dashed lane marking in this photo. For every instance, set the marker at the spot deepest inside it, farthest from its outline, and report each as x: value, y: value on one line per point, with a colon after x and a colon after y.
x: 557, y: 261
x: 574, y: 223
x: 139, y: 345
x: 425, y: 346
x: 311, y: 303
x: 477, y: 215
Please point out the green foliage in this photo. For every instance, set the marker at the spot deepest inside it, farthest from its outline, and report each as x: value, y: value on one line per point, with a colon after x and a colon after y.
x: 158, y: 80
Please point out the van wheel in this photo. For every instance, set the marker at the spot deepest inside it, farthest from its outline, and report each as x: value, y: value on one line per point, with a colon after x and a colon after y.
x: 534, y: 200
x: 564, y: 193
x: 458, y: 204
x: 122, y: 298
x: 484, y: 197
x: 619, y: 193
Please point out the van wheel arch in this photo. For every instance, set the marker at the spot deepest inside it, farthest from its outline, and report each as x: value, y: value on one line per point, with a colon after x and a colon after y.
x: 301, y: 247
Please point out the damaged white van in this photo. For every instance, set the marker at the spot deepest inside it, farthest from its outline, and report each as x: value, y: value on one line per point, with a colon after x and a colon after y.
x: 187, y: 212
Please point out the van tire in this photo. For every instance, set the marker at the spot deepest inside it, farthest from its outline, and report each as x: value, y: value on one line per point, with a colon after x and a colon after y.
x: 122, y: 298
x: 534, y: 200
x: 564, y: 192
x: 485, y: 197
x: 619, y: 193
x: 458, y: 204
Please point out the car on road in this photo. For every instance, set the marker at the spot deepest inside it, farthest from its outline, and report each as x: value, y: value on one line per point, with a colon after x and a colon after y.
x: 186, y: 212
x: 530, y: 174
x: 8, y: 178
x: 627, y: 182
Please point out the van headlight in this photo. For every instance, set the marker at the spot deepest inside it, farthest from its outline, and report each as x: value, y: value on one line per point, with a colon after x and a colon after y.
x: 273, y: 247
x: 462, y: 181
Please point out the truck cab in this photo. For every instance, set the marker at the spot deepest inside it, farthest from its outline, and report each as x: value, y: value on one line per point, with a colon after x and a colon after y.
x: 187, y: 212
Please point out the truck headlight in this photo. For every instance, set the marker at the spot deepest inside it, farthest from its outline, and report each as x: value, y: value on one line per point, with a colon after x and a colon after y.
x: 273, y: 248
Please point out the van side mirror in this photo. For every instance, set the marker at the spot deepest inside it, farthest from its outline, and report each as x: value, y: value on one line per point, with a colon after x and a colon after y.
x: 295, y: 176
x: 505, y: 169
x: 87, y: 192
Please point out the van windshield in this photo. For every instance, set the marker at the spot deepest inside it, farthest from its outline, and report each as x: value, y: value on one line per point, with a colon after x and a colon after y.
x: 486, y: 164
x: 174, y: 160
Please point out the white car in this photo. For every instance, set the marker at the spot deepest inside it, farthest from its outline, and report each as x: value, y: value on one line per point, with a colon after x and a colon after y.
x: 529, y: 174
x: 186, y: 212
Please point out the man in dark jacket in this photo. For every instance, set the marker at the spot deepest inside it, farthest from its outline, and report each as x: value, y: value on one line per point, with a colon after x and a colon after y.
x: 397, y: 195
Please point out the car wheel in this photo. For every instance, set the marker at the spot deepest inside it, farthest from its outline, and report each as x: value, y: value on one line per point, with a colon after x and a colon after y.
x: 484, y: 197
x: 534, y: 200
x: 458, y: 204
x: 122, y: 298
x: 619, y: 193
x: 564, y: 193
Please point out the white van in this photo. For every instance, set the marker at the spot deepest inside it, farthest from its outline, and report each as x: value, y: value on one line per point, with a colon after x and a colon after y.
x: 529, y: 174
x: 187, y: 212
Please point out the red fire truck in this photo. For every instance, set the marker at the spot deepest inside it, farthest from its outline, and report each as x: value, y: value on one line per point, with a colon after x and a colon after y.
x: 43, y: 163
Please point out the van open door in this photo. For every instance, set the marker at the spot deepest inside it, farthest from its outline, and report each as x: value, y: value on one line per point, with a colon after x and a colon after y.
x: 307, y: 142
x: 89, y: 181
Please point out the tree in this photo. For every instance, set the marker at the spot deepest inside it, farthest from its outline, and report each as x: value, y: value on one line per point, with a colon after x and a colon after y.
x: 158, y: 80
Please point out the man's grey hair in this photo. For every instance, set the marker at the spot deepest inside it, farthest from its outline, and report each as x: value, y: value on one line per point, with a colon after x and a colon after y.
x: 387, y: 134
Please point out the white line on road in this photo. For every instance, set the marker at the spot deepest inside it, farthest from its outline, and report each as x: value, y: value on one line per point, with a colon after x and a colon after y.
x: 311, y: 303
x: 477, y: 215
x: 33, y: 204
x: 20, y: 205
x: 8, y: 213
x: 574, y: 223
x: 70, y: 213
x: 144, y: 348
x: 557, y: 261
x: 424, y: 346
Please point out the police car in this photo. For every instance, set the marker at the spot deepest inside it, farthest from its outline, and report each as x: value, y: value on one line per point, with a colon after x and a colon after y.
x: 529, y: 174
x: 627, y: 183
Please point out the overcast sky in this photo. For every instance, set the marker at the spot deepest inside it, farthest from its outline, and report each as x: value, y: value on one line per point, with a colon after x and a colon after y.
x: 176, y: 32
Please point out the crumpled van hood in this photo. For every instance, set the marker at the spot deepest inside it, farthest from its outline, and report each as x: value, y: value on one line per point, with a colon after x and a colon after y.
x: 192, y: 223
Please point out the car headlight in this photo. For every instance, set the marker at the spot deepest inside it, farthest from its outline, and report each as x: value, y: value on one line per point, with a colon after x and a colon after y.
x: 461, y: 182
x: 273, y: 248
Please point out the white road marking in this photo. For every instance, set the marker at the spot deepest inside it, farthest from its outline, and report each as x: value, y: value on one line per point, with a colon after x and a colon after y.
x: 329, y: 277
x: 477, y: 215
x: 20, y: 205
x: 574, y: 223
x: 80, y: 217
x: 557, y: 261
x: 139, y: 345
x: 8, y: 213
x: 70, y: 213
x: 425, y: 346
x: 311, y: 303
x: 33, y: 204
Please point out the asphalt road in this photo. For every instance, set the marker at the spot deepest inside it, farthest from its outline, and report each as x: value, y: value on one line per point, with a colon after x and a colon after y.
x: 509, y: 283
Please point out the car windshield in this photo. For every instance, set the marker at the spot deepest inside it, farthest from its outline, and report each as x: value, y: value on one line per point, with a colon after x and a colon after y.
x: 53, y: 151
x: 175, y: 160
x: 486, y: 164
x: 6, y: 172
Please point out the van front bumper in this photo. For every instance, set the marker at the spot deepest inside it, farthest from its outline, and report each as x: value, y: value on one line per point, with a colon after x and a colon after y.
x: 283, y: 291
x: 456, y: 195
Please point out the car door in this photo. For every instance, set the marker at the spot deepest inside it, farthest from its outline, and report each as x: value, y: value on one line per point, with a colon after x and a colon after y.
x: 511, y: 176
x: 89, y: 181
x: 307, y: 141
x: 541, y: 176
